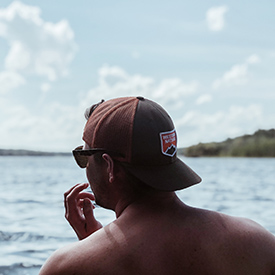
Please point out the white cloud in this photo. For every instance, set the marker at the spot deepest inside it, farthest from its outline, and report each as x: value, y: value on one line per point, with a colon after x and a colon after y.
x: 253, y: 59
x: 215, y: 18
x: 203, y: 99
x: 238, y: 74
x: 235, y: 76
x: 36, y: 46
x: 18, y: 57
x: 111, y: 75
x: 10, y: 80
x: 174, y: 88
x: 170, y: 92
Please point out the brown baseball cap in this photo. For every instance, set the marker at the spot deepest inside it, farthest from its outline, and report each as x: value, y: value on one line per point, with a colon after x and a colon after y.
x: 143, y: 135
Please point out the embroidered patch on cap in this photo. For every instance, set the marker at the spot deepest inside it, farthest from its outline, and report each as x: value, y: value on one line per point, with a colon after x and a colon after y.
x: 169, y: 143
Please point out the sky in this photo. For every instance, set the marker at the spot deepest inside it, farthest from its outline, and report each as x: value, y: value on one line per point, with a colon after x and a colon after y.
x: 210, y: 64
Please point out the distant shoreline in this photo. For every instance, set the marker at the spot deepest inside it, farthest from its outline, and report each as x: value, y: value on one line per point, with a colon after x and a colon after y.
x: 20, y: 152
x: 260, y: 144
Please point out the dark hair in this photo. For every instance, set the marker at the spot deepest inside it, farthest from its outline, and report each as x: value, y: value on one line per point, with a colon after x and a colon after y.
x: 90, y: 110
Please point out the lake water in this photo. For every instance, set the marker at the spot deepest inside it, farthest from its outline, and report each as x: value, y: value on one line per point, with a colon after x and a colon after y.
x: 32, y: 223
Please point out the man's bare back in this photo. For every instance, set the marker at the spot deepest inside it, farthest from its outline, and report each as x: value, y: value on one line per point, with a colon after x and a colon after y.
x: 161, y: 237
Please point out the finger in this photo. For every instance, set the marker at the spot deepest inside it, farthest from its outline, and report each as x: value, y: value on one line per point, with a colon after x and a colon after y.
x: 88, y: 211
x: 71, y: 201
x: 87, y: 195
x: 73, y: 187
x: 70, y: 190
x: 80, y: 204
x: 76, y: 190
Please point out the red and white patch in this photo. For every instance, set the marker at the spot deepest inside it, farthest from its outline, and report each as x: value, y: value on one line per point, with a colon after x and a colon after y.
x: 168, y: 143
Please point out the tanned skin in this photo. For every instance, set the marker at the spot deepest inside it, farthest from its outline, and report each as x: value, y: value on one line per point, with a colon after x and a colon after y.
x: 155, y: 233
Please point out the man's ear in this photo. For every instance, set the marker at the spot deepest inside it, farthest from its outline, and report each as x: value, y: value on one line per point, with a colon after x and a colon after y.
x: 110, y: 166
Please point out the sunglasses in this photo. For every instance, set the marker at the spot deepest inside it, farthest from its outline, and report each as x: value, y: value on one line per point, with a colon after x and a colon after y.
x: 82, y: 156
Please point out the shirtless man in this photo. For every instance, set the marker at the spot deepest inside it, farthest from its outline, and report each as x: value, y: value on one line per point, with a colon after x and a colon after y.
x: 132, y: 168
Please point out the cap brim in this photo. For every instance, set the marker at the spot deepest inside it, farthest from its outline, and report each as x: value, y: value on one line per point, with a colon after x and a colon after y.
x: 169, y: 177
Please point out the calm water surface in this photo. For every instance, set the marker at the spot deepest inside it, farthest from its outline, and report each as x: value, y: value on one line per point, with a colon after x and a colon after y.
x: 32, y: 223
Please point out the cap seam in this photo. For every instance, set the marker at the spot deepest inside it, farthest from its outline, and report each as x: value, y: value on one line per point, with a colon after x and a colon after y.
x: 132, y: 130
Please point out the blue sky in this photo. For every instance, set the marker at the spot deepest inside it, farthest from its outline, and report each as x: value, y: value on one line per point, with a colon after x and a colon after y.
x: 210, y: 64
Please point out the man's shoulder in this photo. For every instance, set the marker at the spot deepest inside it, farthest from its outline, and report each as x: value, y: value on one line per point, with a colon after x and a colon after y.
x: 253, y: 238
x: 236, y: 240
x: 248, y: 234
x: 231, y: 228
x: 57, y: 262
x: 241, y: 226
x: 77, y: 258
x: 245, y: 225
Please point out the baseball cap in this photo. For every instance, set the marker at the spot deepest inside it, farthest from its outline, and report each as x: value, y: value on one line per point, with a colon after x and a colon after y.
x: 143, y: 135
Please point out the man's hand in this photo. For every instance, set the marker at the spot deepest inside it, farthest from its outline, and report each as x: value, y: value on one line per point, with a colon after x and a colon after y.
x: 79, y: 211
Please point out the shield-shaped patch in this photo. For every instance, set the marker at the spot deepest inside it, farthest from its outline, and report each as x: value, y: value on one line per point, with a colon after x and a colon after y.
x: 168, y: 143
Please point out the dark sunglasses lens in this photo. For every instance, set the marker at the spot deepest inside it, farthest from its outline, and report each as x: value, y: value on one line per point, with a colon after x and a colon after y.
x: 81, y: 160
